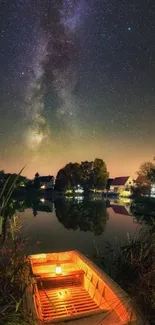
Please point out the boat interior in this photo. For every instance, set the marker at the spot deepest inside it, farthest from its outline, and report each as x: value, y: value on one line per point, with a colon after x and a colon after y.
x: 69, y: 286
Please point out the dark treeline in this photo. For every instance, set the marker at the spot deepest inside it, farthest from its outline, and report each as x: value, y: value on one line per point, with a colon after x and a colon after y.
x: 88, y: 174
x: 11, y: 178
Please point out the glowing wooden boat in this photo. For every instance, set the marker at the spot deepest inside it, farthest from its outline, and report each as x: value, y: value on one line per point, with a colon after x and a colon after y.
x: 67, y: 286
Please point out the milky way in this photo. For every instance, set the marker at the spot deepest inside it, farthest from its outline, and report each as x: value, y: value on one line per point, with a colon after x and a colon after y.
x: 55, y: 73
x: 76, y: 82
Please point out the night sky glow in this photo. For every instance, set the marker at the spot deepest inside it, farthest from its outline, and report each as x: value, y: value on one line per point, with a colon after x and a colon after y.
x: 77, y: 81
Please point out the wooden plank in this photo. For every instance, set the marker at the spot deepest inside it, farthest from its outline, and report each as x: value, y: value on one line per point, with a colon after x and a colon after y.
x: 69, y: 296
x: 77, y: 301
x: 53, y: 262
x: 59, y: 303
x: 77, y: 290
x: 65, y: 314
x: 67, y: 301
x: 67, y: 304
x: 63, y: 275
x: 55, y: 294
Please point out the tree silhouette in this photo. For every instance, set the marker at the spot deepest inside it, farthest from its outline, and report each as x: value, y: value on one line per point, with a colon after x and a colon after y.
x: 88, y: 174
x: 37, y: 181
x: 85, y: 216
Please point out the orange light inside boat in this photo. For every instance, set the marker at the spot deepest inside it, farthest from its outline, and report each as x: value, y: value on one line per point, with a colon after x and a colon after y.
x: 58, y: 269
x: 63, y: 294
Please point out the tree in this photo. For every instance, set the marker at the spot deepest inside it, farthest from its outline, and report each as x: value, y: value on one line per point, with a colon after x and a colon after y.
x: 151, y: 174
x: 37, y: 181
x: 100, y: 174
x: 88, y: 174
x: 73, y: 172
x: 62, y: 181
x: 68, y: 177
x: 2, y: 177
x: 146, y: 177
x: 85, y: 216
x: 145, y: 169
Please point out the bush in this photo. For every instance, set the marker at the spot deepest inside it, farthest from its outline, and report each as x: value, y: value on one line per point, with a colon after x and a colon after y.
x: 135, y: 271
x: 12, y: 268
x: 132, y: 266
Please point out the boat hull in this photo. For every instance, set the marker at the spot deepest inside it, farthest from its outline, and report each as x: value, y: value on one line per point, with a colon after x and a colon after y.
x: 81, y: 294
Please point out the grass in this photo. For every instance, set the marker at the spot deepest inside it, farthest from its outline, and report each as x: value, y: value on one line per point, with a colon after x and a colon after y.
x: 12, y: 267
x: 12, y: 261
x: 133, y: 268
x: 6, y: 206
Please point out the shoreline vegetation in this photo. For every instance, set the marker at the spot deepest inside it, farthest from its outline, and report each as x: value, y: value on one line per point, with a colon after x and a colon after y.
x: 11, y: 258
x: 133, y: 267
x: 12, y: 268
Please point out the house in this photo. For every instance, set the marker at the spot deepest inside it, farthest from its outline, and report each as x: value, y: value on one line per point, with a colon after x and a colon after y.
x: 78, y: 189
x: 47, y: 182
x: 122, y: 185
x: 75, y: 190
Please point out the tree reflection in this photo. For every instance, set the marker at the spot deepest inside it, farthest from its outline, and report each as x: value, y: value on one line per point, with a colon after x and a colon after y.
x: 85, y: 215
x: 19, y: 205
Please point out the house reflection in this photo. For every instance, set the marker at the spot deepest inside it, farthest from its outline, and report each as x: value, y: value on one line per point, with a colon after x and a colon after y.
x: 42, y: 205
x: 83, y: 215
x: 36, y: 204
x: 120, y: 209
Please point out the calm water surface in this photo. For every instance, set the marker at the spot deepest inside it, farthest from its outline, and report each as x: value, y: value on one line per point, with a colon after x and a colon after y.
x: 76, y: 224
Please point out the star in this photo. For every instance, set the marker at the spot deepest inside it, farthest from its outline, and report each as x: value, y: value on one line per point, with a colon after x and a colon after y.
x: 76, y: 82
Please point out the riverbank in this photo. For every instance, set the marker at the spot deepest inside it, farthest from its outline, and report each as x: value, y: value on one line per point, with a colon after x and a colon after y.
x: 136, y: 271
x: 133, y: 268
x: 12, y: 267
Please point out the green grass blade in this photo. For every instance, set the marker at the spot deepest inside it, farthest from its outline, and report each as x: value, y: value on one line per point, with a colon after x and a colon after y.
x: 12, y: 187
x: 4, y: 187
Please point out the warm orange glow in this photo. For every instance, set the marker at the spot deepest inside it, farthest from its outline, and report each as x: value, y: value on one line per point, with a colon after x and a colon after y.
x: 76, y: 287
x: 58, y: 269
x: 64, y: 294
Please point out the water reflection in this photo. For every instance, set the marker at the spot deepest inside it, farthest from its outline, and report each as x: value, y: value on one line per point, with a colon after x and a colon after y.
x: 83, y: 215
x: 36, y: 203
x: 79, y: 214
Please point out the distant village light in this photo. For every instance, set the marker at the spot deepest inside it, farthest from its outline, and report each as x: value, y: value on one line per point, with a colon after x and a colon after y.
x: 47, y: 182
x: 79, y: 189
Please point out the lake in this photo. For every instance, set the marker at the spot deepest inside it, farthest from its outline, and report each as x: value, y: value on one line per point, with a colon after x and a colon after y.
x: 76, y: 224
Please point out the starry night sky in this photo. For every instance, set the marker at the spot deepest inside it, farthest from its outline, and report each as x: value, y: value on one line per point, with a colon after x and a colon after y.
x: 77, y: 81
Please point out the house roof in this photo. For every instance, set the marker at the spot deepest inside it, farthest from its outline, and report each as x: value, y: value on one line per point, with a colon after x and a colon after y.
x: 45, y: 178
x: 120, y: 180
